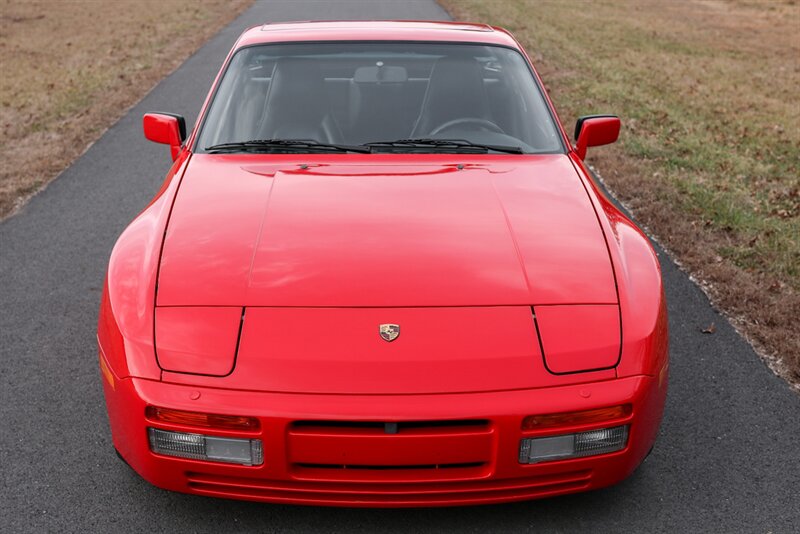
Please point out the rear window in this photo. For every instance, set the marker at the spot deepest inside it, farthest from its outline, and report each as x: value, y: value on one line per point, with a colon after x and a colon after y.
x: 356, y: 93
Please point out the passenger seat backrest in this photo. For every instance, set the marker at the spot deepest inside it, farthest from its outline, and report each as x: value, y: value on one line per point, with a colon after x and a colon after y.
x: 297, y: 106
x: 455, y: 91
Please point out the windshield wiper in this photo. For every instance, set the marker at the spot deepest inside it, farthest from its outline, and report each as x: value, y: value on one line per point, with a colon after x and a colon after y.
x: 294, y: 145
x: 458, y: 145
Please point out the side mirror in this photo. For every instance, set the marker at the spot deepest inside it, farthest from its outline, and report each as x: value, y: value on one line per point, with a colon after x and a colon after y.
x: 165, y: 128
x: 595, y: 130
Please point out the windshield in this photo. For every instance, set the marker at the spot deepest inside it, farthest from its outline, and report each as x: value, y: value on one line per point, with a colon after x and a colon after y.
x: 352, y: 94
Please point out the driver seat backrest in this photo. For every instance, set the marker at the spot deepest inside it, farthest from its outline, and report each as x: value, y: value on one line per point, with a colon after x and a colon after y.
x: 455, y: 91
x: 297, y: 106
x: 250, y: 111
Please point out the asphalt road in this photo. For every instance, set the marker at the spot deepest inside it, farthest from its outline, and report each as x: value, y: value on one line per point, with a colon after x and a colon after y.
x: 726, y: 460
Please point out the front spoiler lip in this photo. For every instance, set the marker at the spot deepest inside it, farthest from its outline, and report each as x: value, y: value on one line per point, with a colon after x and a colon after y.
x: 503, y: 480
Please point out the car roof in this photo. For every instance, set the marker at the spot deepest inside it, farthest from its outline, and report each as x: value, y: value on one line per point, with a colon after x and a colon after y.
x: 374, y: 30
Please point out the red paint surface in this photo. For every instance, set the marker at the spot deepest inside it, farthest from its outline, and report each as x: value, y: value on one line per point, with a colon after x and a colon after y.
x: 318, y: 257
x: 356, y: 230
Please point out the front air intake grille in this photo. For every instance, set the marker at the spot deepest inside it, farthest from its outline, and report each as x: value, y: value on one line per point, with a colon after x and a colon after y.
x: 399, y: 450
x: 388, y: 427
x: 393, y: 467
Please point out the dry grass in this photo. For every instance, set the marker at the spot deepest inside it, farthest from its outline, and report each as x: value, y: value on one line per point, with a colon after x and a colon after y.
x: 71, y: 68
x: 709, y: 157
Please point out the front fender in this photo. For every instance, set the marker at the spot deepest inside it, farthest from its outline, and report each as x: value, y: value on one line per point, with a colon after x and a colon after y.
x: 125, y: 328
x: 643, y: 309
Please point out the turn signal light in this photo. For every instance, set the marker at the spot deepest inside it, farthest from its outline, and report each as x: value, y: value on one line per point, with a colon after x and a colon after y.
x: 209, y: 448
x: 591, y: 443
x: 180, y: 417
x: 598, y: 415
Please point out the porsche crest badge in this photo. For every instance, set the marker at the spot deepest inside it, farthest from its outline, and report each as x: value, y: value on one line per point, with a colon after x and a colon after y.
x: 389, y: 332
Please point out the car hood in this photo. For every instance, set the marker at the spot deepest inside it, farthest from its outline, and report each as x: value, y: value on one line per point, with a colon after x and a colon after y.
x: 383, y: 231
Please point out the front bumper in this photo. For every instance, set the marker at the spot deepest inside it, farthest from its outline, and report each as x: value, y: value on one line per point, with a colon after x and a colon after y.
x: 321, y: 449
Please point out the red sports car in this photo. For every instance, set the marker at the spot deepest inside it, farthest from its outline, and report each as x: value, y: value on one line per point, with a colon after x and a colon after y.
x: 379, y: 274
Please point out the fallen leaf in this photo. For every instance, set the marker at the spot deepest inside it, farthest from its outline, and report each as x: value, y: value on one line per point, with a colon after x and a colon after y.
x: 710, y: 329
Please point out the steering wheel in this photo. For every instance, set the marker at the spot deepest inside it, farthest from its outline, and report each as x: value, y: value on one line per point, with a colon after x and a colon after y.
x: 481, y: 123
